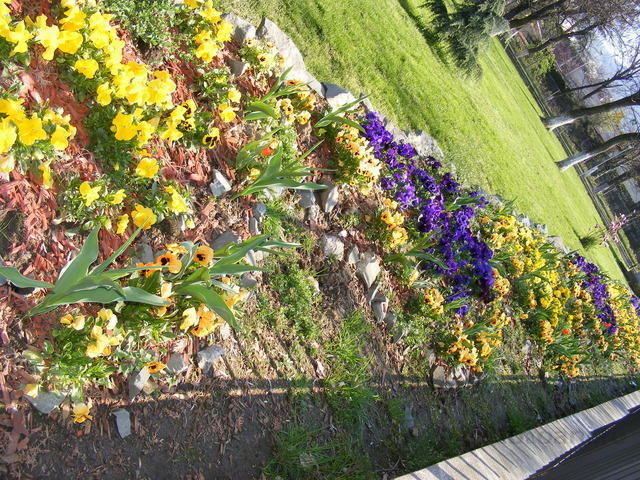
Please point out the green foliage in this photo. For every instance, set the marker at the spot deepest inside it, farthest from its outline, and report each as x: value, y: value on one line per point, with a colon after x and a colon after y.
x: 283, y: 172
x: 347, y: 391
x: 150, y: 21
x: 297, y: 297
x: 542, y: 62
x: 306, y: 454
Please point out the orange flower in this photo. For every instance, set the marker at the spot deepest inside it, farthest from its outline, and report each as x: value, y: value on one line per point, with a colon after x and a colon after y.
x: 155, y: 367
x: 204, y: 255
x: 171, y: 261
x: 266, y: 151
x: 148, y: 272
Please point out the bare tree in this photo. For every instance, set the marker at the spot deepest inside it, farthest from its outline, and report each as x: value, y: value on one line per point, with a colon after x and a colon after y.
x: 606, y: 146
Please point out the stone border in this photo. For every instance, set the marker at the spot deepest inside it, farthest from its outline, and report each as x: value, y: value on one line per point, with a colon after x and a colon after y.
x: 521, y: 456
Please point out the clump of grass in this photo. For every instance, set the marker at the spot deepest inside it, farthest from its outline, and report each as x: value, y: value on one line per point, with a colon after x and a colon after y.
x: 347, y: 390
x: 303, y: 453
x: 296, y: 299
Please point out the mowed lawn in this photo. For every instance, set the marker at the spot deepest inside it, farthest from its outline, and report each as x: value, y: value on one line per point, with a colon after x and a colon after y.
x: 489, y: 128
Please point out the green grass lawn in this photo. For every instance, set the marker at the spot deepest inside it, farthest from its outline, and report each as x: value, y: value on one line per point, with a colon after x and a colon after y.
x: 488, y: 128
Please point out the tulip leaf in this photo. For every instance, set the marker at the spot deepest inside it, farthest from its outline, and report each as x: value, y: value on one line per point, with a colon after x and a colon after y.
x: 211, y: 299
x: 19, y: 280
x: 78, y: 267
x: 137, y: 295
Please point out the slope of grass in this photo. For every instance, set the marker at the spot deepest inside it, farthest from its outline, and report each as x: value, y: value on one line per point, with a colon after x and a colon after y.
x: 488, y: 128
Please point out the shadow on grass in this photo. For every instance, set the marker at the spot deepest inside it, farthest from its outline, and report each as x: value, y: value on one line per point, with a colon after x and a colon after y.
x: 431, y: 33
x: 242, y: 427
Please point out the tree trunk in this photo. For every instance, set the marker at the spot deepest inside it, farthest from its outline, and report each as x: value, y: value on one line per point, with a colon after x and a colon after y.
x: 554, y: 122
x: 595, y: 168
x: 583, y: 156
x: 537, y: 15
x: 609, y: 158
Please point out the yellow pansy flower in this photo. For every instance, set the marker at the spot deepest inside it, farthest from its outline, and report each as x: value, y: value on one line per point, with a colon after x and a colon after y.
x: 147, y: 167
x: 189, y: 318
x: 59, y: 138
x: 104, y: 94
x: 47, y: 36
x: 20, y: 36
x: 81, y: 413
x: 7, y: 163
x: 70, y: 42
x: 123, y: 223
x: 8, y: 135
x: 45, y: 168
x: 30, y: 130
x: 107, y: 315
x: 89, y: 194
x: 118, y: 197
x: 227, y: 112
x: 234, y: 95
x: 123, y: 126
x: 143, y: 217
x: 155, y: 367
x: 86, y: 66
x: 177, y: 204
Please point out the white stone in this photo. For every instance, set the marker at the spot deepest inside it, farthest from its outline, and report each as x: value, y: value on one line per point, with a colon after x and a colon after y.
x: 336, y: 96
x: 177, y: 363
x: 220, y: 184
x: 225, y: 239
x: 332, y: 246
x: 329, y: 197
x: 237, y: 67
x: 137, y: 382
x: 243, y: 28
x: 288, y: 49
x: 207, y: 356
x: 45, y: 402
x: 123, y: 422
x: 354, y: 256
x: 368, y: 268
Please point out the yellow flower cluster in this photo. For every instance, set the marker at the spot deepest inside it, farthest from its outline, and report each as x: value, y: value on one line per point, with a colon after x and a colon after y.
x: 212, y: 31
x: 434, y: 299
x: 261, y: 55
x: 201, y: 322
x: 393, y: 220
x: 16, y: 125
x: 358, y: 165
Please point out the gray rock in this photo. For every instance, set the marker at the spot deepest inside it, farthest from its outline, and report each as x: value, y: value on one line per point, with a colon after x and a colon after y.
x: 368, y: 105
x: 336, y: 96
x: 255, y: 257
x: 243, y: 29
x: 559, y: 244
x: 145, y: 253
x: 237, y: 67
x: 354, y: 256
x: 397, y: 133
x: 177, y: 364
x: 287, y: 48
x: 380, y: 307
x: 372, y: 293
x: 137, y: 382
x: 207, y: 356
x: 543, y: 229
x: 408, y: 421
x: 368, y: 268
x: 343, y: 234
x: 123, y: 422
x: 332, y: 246
x: 248, y: 281
x: 312, y: 213
x: 390, y: 320
x: 329, y: 197
x: 45, y: 402
x: 523, y: 219
x: 259, y: 211
x: 150, y: 386
x: 314, y: 283
x: 220, y: 184
x: 424, y: 144
x: 307, y: 198
x: 443, y: 380
x: 400, y: 333
x: 461, y: 375
x: 225, y: 239
x: 254, y: 226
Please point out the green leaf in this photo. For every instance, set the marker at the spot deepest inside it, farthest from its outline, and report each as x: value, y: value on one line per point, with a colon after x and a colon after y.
x: 103, y: 266
x: 96, y: 295
x: 19, y: 280
x: 78, y: 267
x: 211, y: 298
x: 226, y: 269
x: 137, y: 295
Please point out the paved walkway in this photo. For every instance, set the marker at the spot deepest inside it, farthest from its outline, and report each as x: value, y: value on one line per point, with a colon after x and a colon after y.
x: 521, y: 456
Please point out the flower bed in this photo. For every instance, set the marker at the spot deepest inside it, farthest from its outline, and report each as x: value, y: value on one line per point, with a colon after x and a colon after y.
x: 131, y: 151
